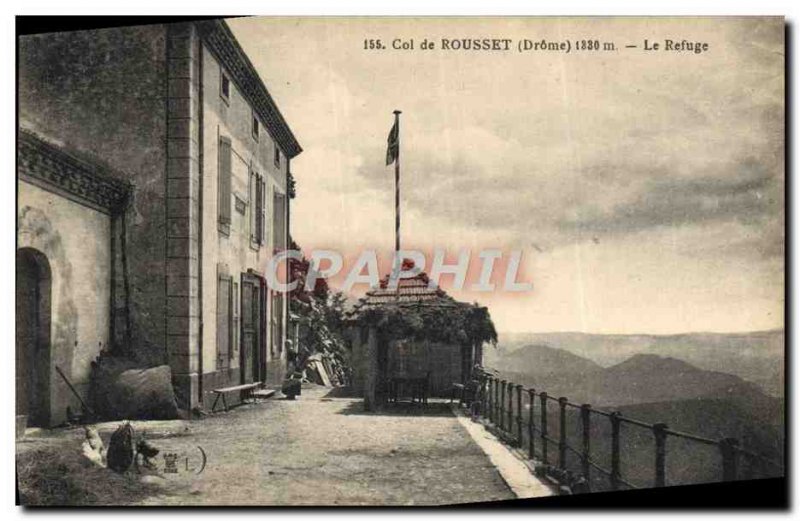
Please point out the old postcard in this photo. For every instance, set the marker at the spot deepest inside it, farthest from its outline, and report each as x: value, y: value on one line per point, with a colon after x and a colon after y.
x: 399, y: 261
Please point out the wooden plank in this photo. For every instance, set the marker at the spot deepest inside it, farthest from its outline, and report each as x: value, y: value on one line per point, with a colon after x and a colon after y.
x: 234, y: 388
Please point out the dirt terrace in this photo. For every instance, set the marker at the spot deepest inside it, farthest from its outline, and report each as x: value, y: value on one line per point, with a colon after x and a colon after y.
x: 321, y: 449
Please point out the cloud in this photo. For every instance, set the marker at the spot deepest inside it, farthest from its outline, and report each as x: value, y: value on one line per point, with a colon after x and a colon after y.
x: 746, y: 194
x: 647, y: 190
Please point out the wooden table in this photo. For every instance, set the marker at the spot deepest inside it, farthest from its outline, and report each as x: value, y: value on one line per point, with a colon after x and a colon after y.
x: 417, y: 384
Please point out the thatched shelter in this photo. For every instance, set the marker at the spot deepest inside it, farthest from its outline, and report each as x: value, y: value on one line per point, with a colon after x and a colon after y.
x: 415, y: 332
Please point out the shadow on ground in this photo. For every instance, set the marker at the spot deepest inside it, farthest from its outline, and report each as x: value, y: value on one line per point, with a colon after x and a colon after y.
x: 439, y: 409
x: 343, y: 392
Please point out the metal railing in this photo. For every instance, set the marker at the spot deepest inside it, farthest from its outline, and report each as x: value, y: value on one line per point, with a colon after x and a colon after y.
x: 513, y: 410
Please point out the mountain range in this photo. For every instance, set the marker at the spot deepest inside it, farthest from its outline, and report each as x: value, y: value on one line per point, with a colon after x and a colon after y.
x: 756, y: 357
x: 655, y: 389
x: 643, y: 378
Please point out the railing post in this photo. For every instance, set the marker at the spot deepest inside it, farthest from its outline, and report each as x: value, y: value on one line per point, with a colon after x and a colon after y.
x: 485, y: 412
x: 476, y: 406
x: 586, y: 418
x: 489, y: 400
x: 730, y: 458
x: 531, y: 426
x: 519, y: 414
x: 615, y: 470
x: 660, y: 434
x: 496, y: 401
x: 511, y: 408
x: 562, y: 432
x: 502, y: 417
x: 543, y: 401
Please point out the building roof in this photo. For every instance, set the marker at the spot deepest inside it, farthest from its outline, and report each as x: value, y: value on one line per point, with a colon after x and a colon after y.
x: 221, y: 41
x: 418, y: 308
x: 412, y: 291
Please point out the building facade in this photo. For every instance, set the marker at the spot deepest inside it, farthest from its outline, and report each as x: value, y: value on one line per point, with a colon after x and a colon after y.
x: 176, y: 119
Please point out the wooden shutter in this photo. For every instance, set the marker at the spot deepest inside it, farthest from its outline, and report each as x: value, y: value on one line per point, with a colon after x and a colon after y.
x: 224, y: 321
x: 279, y: 221
x: 234, y: 320
x: 263, y: 200
x: 278, y: 312
x: 258, y: 210
x: 253, y: 198
x: 224, y: 186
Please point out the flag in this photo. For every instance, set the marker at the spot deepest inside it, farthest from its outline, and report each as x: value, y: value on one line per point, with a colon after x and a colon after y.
x: 393, y: 150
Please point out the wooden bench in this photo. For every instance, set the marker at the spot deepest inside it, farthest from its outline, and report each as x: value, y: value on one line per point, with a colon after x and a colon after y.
x: 457, y: 391
x: 245, y: 389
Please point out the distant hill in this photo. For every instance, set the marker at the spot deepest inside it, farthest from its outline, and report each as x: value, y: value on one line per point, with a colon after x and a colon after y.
x: 758, y: 430
x: 655, y: 389
x: 640, y: 379
x: 757, y: 357
x: 542, y: 361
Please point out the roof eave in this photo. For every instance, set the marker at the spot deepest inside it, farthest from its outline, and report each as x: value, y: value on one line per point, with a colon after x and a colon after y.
x: 220, y: 40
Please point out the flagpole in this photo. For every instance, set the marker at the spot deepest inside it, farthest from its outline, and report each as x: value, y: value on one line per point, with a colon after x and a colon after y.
x: 397, y: 185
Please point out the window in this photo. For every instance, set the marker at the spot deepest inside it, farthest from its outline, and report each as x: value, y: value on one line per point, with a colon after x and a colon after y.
x: 224, y: 321
x: 224, y: 185
x: 225, y: 87
x: 235, y: 322
x: 258, y: 222
x: 279, y: 221
x: 277, y: 323
x: 277, y: 155
x: 255, y: 127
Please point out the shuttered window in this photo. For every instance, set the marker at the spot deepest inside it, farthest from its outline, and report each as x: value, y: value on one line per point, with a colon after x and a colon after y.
x: 253, y: 199
x: 235, y: 321
x: 279, y: 221
x: 277, y: 322
x: 258, y: 222
x: 259, y: 209
x: 224, y: 186
x: 224, y: 321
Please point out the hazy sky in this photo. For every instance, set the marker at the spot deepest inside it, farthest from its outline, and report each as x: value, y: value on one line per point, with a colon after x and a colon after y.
x: 646, y: 189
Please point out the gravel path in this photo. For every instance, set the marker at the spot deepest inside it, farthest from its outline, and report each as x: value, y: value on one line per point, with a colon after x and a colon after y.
x: 324, y: 450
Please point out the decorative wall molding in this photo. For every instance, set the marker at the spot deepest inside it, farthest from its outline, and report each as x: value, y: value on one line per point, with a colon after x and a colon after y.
x: 218, y: 37
x: 52, y: 168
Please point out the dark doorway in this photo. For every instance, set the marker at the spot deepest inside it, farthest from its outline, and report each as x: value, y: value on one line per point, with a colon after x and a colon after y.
x: 33, y: 336
x: 252, y: 328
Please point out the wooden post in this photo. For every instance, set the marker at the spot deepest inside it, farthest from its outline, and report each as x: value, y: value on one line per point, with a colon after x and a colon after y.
x: 615, y: 470
x: 502, y: 404
x: 397, y: 185
x: 485, y: 395
x: 519, y: 415
x: 562, y: 432
x: 586, y: 418
x: 496, y: 400
x: 371, y: 380
x: 511, y: 408
x: 660, y: 434
x: 490, y: 398
x: 730, y: 458
x: 543, y: 401
x: 531, y: 426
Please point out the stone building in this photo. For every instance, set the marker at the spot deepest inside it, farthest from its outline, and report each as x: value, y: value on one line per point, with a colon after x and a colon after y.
x: 153, y: 186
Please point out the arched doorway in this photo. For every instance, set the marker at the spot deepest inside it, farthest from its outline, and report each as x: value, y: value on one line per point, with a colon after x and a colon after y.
x: 33, y: 336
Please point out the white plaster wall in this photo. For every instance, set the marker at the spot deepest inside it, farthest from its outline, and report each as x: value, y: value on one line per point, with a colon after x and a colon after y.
x: 76, y: 241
